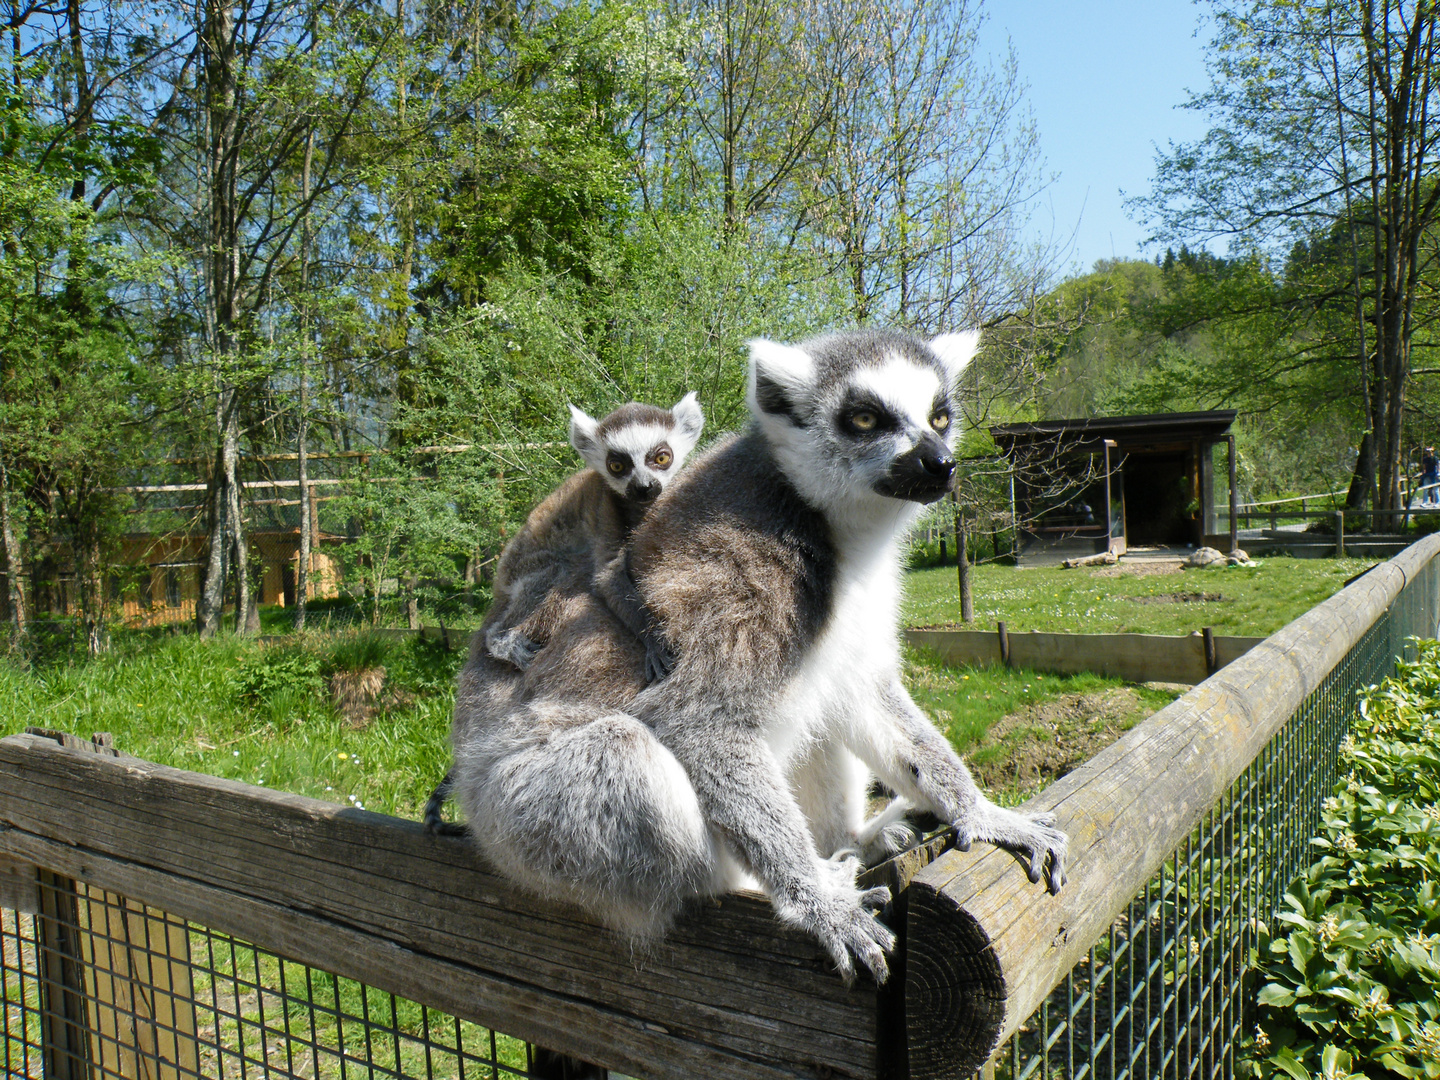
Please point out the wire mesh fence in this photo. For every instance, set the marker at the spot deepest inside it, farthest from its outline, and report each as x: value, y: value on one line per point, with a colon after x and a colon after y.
x: 96, y: 985
x: 1162, y: 994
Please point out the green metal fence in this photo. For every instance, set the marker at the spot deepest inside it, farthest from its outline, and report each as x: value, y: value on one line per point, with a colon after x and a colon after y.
x: 1163, y: 994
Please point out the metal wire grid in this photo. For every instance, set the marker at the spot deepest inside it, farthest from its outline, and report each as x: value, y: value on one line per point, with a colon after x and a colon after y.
x: 99, y: 986
x: 1161, y: 995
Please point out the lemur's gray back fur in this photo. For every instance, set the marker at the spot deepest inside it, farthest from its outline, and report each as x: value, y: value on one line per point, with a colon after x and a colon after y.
x: 771, y: 568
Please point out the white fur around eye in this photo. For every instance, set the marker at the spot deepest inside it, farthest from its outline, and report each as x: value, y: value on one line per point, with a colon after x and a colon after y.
x: 637, y: 440
x: 907, y: 390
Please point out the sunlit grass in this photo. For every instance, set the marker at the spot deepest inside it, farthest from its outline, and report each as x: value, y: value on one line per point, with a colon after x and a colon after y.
x: 173, y: 700
x: 1256, y: 600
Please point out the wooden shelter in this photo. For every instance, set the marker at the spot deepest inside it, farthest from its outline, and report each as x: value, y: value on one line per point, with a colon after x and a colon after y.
x: 1086, y: 486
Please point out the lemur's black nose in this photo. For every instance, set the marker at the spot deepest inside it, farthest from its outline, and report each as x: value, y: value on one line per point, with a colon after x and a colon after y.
x: 935, y: 457
x: 646, y: 492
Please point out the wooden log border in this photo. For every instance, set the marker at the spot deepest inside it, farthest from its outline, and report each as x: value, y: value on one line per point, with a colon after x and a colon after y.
x: 1132, y: 657
x: 1126, y: 810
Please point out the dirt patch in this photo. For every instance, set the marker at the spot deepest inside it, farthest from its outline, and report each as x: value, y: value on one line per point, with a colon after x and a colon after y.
x: 1178, y: 598
x: 1041, y: 743
x: 1144, y: 568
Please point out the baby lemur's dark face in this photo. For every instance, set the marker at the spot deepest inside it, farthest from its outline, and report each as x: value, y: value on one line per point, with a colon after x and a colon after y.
x: 638, y: 448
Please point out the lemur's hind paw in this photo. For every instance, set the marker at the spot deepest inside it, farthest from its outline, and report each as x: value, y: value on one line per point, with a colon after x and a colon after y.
x: 659, y: 659
x: 513, y: 647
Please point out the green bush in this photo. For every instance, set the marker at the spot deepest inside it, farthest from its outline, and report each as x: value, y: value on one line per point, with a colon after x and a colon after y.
x: 275, y: 671
x: 1352, y: 985
x: 357, y: 652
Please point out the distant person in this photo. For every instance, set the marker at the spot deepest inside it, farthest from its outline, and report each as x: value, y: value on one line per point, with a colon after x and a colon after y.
x: 1429, y: 477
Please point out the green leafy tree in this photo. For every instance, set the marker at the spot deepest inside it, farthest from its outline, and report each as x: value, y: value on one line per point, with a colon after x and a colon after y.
x: 1323, y: 124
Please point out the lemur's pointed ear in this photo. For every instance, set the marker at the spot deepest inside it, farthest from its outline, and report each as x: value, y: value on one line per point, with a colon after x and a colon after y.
x: 955, y: 351
x: 582, y: 434
x: 777, y: 374
x: 689, y: 420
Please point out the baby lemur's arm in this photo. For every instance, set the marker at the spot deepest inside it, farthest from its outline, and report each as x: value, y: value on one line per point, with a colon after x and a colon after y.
x: 616, y: 588
x: 523, y: 624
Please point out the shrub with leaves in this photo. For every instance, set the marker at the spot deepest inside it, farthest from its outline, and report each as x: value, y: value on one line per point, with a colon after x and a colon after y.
x: 1351, y: 984
x: 276, y: 670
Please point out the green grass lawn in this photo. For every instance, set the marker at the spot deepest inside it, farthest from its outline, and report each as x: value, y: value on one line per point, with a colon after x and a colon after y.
x: 263, y: 715
x: 1250, y: 601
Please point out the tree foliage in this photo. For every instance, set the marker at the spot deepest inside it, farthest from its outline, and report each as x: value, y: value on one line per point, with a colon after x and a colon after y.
x: 378, y: 228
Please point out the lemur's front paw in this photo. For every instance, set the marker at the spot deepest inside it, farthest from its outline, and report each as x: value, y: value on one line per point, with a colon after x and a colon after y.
x: 1031, y: 838
x: 659, y: 658
x: 887, y: 833
x: 513, y: 647
x: 843, y: 919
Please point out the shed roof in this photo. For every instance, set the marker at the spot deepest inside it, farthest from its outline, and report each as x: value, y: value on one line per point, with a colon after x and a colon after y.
x: 1206, y: 426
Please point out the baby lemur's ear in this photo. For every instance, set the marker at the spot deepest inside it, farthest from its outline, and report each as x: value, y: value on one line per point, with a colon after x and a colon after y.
x: 689, y: 420
x: 582, y: 435
x: 955, y: 351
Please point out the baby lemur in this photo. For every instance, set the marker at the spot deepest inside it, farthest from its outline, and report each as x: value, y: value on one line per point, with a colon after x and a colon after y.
x: 570, y: 543
x: 772, y: 566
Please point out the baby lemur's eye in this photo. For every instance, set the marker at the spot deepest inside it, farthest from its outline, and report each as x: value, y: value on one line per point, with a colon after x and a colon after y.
x: 864, y: 420
x: 618, y: 464
x: 940, y: 421
x: 661, y: 457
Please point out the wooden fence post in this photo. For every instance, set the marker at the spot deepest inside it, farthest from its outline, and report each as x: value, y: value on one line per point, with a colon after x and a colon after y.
x: 114, y: 975
x: 64, y: 1031
x: 1339, y: 534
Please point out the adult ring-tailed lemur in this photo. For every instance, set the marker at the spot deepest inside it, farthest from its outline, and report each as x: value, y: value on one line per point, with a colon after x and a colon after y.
x: 772, y: 569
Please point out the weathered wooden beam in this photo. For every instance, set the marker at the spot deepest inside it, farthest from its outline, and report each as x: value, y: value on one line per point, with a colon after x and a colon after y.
x: 1126, y: 810
x: 730, y: 993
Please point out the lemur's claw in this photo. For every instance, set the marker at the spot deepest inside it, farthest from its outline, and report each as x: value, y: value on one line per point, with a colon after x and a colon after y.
x: 659, y: 660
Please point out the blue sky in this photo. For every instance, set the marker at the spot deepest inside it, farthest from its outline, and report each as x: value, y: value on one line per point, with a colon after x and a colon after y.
x: 1105, y: 78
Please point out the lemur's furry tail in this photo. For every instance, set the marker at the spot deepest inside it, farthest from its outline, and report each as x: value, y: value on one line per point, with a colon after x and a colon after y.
x: 435, y: 824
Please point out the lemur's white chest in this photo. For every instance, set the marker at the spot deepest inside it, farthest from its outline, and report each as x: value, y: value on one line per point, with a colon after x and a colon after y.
x: 853, y: 658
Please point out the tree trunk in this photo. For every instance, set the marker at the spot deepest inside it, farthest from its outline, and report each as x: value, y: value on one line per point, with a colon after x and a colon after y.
x: 962, y: 563
x: 222, y: 249
x: 302, y: 568
x: 17, y: 594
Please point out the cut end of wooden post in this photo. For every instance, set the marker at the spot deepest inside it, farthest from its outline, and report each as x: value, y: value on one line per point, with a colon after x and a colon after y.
x: 954, y: 988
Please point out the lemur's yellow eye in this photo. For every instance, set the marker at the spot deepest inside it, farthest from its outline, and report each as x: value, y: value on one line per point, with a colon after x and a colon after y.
x: 663, y: 458
x: 940, y: 421
x: 617, y: 465
x: 864, y: 420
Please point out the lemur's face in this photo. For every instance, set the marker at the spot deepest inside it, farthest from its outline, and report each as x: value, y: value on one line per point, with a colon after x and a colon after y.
x: 638, y: 448
x: 864, y: 414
